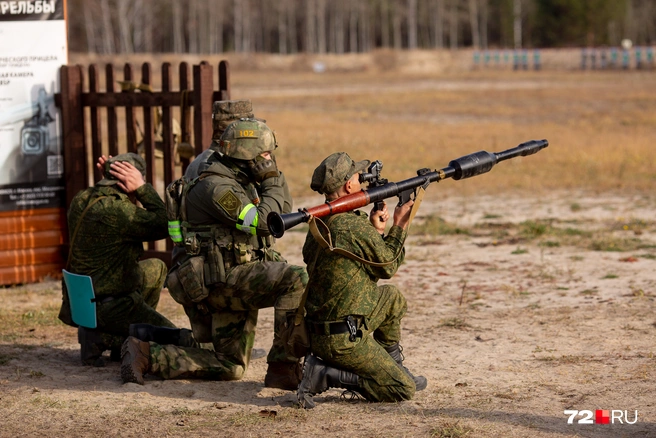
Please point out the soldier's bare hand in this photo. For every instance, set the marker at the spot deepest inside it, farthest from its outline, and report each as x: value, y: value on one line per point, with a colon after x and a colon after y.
x: 101, y: 164
x: 379, y: 218
x: 402, y: 214
x: 129, y: 178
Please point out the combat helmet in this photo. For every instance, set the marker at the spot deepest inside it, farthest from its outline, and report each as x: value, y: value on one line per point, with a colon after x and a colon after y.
x: 225, y: 112
x: 246, y: 138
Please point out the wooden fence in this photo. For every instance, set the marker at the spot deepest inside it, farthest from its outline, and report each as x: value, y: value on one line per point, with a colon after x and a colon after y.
x: 35, y: 243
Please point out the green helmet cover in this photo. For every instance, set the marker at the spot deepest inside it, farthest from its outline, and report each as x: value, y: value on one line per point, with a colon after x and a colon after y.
x: 245, y: 139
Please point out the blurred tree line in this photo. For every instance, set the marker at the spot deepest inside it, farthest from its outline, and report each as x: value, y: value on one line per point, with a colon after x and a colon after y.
x: 341, y: 26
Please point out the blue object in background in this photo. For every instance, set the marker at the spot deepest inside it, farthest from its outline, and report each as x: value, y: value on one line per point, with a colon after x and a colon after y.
x: 82, y: 298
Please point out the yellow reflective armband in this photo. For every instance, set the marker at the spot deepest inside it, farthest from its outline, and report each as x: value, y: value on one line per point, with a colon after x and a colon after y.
x: 248, y: 219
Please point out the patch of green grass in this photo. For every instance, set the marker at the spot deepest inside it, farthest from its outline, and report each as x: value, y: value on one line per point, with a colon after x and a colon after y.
x: 575, y: 206
x: 588, y: 292
x: 550, y: 244
x: 533, y: 229
x: 539, y: 349
x: 246, y: 419
x: 183, y: 410
x: 609, y: 276
x: 615, y: 244
x: 630, y: 225
x: 520, y: 250
x: 13, y: 322
x: 648, y: 256
x: 456, y: 323
x: 42, y: 401
x: 575, y: 232
x: 451, y: 429
x: 435, y: 225
x: 567, y: 359
x: 491, y: 216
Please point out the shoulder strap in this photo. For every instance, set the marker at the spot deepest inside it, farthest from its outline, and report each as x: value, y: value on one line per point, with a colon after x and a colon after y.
x: 328, y: 244
x: 301, y: 307
x: 77, y: 228
x: 188, y: 186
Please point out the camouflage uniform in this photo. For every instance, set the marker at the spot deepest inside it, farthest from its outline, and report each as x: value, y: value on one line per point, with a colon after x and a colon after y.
x: 340, y: 287
x: 226, y: 200
x: 108, y: 246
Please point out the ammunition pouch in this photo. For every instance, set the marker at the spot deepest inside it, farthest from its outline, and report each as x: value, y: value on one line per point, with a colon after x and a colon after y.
x: 186, y: 282
x: 215, y: 267
x: 211, y: 252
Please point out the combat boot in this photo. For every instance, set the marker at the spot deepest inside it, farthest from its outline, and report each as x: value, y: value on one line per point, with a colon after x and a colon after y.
x: 284, y: 375
x: 396, y: 352
x: 163, y: 335
x: 135, y: 360
x: 319, y: 377
x: 91, y: 347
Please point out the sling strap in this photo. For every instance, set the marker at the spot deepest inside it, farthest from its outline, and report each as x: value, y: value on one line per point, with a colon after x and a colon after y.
x: 301, y: 307
x: 315, y: 222
x: 328, y: 244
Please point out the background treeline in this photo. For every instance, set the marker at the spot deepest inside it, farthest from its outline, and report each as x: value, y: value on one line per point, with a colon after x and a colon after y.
x: 341, y: 26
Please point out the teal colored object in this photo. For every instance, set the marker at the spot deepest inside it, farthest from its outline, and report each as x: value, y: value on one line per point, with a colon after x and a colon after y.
x: 82, y: 298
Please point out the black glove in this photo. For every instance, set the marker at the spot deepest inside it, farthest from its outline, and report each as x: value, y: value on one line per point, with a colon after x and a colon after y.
x: 262, y: 169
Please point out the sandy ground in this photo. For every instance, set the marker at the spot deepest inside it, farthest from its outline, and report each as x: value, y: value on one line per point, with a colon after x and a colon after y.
x: 510, y: 333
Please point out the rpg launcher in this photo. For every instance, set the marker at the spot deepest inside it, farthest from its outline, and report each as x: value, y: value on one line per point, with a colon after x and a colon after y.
x: 379, y: 188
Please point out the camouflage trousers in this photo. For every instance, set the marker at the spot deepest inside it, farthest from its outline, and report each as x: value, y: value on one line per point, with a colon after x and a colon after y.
x: 230, y: 322
x: 381, y: 379
x: 115, y: 316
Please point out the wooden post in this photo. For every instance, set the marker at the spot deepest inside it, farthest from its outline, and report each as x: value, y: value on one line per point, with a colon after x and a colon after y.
x: 223, y: 93
x: 112, y: 120
x: 224, y: 80
x: 203, y: 90
x: 184, y: 110
x: 168, y: 144
x: 148, y: 141
x: 76, y: 175
x: 130, y: 120
x: 96, y: 142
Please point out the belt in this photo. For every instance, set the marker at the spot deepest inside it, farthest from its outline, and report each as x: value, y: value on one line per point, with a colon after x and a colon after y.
x: 107, y: 299
x: 330, y: 328
x: 349, y: 325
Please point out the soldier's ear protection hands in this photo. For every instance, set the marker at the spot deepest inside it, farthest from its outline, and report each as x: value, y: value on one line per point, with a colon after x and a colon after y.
x: 262, y: 169
x: 108, y: 166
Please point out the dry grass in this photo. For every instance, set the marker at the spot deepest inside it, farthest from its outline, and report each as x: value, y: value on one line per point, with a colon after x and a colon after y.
x: 532, y: 346
x: 600, y: 125
x: 600, y: 129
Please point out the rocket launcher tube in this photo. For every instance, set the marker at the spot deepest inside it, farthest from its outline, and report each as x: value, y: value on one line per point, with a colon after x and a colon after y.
x: 460, y: 168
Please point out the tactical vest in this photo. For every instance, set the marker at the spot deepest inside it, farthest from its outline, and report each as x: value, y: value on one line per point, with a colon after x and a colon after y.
x: 220, y: 247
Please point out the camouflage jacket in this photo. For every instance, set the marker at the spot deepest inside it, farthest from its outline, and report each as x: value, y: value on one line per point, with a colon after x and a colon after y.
x: 223, y: 194
x: 340, y: 286
x: 226, y: 198
x: 109, y: 242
